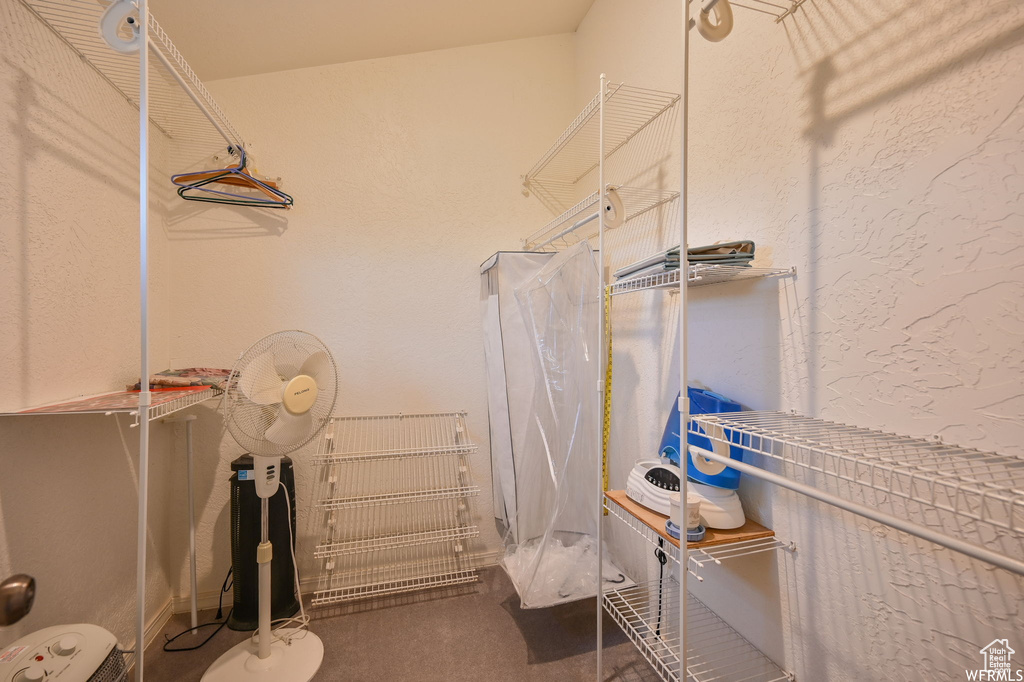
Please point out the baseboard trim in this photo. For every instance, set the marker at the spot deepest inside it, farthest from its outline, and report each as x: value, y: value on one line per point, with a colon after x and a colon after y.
x: 206, y: 600
x: 155, y: 626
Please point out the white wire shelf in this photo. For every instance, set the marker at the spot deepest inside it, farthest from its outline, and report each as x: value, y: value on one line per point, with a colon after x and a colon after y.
x: 394, y: 436
x: 384, y: 579
x: 397, y: 540
x: 560, y: 232
x: 701, y: 274
x: 717, y: 546
x: 628, y: 110
x: 426, y: 495
x: 351, y: 457
x: 970, y: 484
x: 779, y: 9
x: 649, y: 615
x: 164, y: 403
x: 172, y: 111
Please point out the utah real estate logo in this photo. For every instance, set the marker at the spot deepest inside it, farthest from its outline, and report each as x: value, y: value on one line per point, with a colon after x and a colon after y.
x: 997, y: 664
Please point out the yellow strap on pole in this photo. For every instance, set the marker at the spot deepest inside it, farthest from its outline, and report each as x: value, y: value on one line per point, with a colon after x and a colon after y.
x: 606, y: 431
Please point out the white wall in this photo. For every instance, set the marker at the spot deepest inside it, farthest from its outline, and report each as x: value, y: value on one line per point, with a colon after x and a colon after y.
x: 876, y: 146
x: 405, y: 173
x: 69, y: 273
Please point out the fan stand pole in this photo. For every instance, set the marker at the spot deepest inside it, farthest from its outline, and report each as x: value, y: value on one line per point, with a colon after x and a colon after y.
x: 297, y: 656
x: 264, y: 555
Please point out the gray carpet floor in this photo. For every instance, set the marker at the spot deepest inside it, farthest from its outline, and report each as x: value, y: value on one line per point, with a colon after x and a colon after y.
x: 459, y: 634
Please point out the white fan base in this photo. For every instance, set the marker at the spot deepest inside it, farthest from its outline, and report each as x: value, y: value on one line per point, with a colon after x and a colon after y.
x: 297, y: 662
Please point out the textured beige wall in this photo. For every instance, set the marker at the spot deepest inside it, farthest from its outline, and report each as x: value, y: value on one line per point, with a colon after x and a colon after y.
x: 876, y: 146
x: 69, y: 311
x: 405, y: 173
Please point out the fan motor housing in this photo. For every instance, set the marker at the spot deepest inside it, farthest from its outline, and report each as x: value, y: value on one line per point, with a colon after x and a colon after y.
x: 299, y: 394
x: 245, y: 537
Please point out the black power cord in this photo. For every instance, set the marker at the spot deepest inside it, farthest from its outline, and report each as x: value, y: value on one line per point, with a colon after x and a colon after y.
x: 227, y: 585
x: 659, y: 553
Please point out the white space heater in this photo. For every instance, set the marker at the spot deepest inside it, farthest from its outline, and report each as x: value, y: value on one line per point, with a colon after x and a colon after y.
x: 64, y: 653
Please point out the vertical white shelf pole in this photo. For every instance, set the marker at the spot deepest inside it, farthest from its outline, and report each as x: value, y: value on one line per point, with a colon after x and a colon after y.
x: 193, y: 580
x: 144, y: 394
x: 684, y: 398
x: 602, y: 358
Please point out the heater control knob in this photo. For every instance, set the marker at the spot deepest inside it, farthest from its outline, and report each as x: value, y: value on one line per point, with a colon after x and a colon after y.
x: 33, y: 673
x: 66, y: 646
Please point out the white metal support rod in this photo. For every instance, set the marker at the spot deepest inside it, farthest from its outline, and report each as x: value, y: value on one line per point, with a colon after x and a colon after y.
x: 602, y: 358
x: 145, y: 396
x: 572, y: 228
x: 188, y: 91
x: 684, y: 399
x: 193, y: 582
x: 923, y: 532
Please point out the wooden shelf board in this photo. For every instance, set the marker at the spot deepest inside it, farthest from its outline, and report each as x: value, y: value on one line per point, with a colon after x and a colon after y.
x: 751, y: 530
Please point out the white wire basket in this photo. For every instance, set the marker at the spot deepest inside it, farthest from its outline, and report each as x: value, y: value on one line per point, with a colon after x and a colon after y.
x: 648, y: 614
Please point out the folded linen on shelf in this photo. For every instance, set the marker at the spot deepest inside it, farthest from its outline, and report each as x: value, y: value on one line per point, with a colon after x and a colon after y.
x: 739, y: 253
x: 721, y: 251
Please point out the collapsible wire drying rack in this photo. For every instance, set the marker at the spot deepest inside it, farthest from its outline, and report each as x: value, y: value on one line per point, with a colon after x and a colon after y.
x: 392, y: 498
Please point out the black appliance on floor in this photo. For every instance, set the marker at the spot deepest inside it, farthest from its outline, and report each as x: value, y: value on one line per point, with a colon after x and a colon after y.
x: 245, y: 537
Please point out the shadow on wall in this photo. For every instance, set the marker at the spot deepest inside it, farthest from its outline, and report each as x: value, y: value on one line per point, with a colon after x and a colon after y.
x: 60, y: 158
x: 199, y: 221
x: 875, y: 69
x: 858, y: 57
x: 929, y: 610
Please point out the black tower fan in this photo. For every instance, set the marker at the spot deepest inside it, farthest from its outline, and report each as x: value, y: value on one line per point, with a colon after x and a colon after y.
x: 245, y: 537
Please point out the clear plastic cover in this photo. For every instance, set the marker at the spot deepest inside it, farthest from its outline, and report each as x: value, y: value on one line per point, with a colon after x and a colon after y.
x: 552, y: 556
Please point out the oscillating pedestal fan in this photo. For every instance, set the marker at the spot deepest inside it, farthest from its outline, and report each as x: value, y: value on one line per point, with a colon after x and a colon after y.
x: 279, y: 396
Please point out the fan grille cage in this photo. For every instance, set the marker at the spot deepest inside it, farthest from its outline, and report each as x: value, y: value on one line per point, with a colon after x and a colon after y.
x: 248, y: 421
